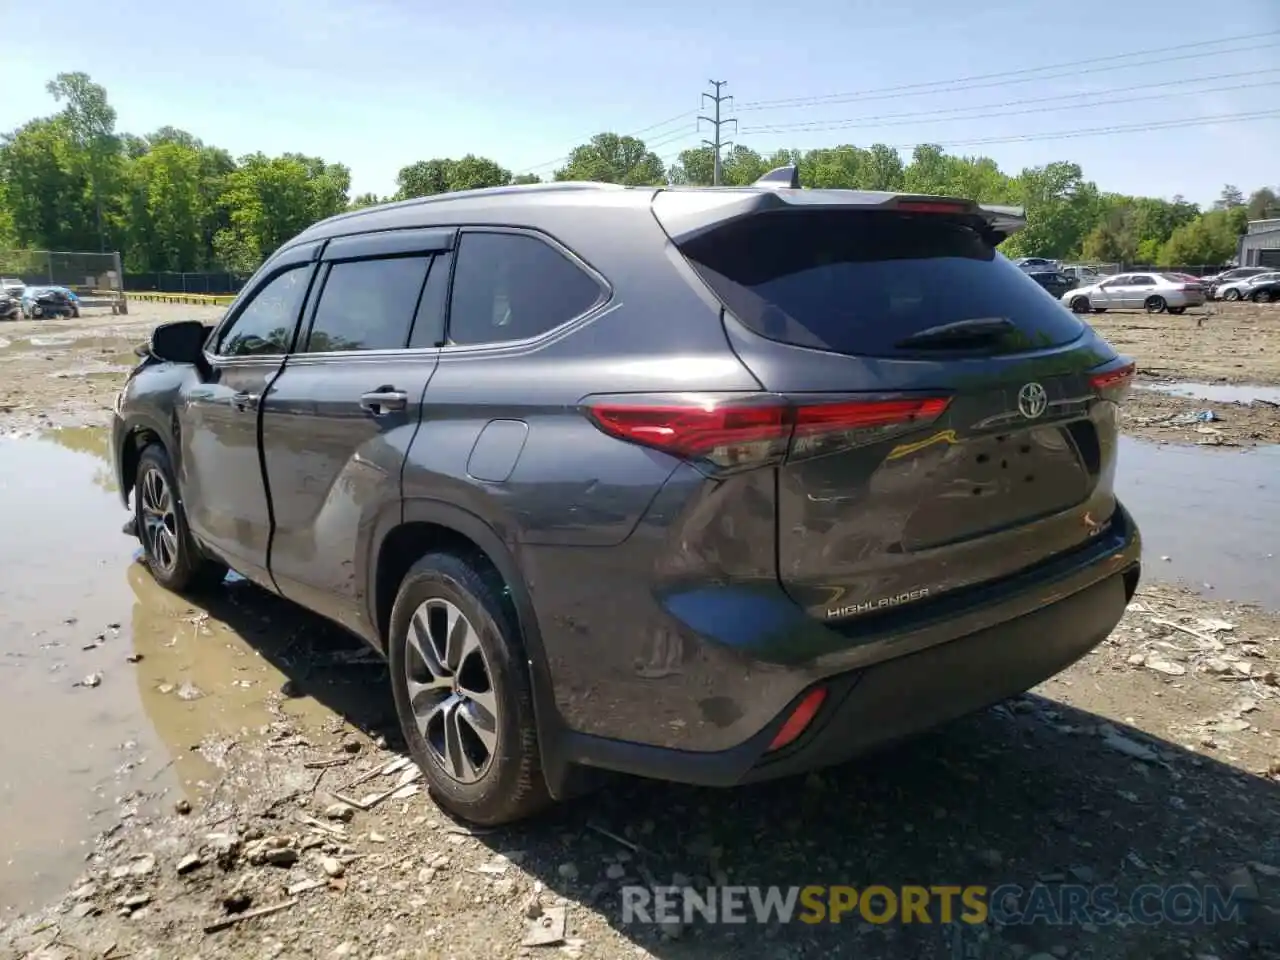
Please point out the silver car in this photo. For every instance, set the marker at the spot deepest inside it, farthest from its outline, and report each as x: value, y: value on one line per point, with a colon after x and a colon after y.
x: 1153, y: 292
x: 1239, y: 289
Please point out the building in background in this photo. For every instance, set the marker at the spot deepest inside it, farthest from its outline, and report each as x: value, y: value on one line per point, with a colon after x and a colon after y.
x: 1260, y: 247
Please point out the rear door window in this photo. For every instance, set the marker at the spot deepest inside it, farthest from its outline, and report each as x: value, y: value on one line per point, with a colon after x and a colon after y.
x: 367, y: 305
x: 859, y: 283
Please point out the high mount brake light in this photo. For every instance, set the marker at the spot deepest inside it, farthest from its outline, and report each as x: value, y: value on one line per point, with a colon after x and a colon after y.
x: 931, y: 206
x: 1112, y: 380
x: 751, y: 431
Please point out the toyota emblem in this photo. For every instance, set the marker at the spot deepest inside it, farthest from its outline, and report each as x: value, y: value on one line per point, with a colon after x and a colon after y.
x: 1032, y: 400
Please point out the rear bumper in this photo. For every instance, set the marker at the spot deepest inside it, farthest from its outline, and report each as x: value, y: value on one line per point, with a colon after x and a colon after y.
x: 1048, y: 626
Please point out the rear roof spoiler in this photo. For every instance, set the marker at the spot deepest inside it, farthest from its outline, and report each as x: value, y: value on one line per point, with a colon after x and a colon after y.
x: 687, y: 212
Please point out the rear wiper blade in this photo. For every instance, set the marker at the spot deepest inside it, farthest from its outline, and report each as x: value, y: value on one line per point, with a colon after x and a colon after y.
x: 961, y: 332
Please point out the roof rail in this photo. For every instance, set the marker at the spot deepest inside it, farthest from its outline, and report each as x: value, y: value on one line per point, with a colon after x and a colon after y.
x: 781, y: 178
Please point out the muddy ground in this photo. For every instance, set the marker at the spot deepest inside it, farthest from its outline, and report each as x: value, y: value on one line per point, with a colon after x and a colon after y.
x: 1153, y: 761
x: 175, y: 767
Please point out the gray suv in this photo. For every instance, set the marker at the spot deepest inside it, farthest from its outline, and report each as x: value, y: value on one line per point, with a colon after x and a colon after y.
x: 708, y: 485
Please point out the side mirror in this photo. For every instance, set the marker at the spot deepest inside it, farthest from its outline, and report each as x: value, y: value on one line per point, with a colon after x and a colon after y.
x: 179, y: 342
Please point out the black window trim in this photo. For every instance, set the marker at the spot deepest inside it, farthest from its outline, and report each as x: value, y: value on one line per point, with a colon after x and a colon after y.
x: 291, y: 258
x: 414, y: 242
x: 604, y: 299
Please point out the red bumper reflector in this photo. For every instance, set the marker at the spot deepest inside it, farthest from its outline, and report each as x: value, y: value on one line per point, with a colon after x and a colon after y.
x: 800, y: 718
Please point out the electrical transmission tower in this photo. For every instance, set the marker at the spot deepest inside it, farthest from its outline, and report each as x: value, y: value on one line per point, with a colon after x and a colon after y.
x: 717, y: 122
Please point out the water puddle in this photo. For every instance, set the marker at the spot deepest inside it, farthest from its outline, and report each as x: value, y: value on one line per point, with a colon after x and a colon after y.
x: 1217, y: 392
x: 108, y: 681
x: 1217, y: 518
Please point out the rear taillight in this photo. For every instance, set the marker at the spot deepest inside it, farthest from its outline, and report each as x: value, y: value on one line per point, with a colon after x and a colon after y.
x: 1115, y: 382
x: 734, y: 431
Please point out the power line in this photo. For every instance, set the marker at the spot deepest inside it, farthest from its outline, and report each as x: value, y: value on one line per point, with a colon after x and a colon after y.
x: 635, y: 133
x: 1100, y: 131
x: 905, y: 119
x: 979, y: 81
x: 716, y: 122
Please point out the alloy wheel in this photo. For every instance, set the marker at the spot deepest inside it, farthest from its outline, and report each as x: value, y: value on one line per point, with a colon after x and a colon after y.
x: 159, y: 520
x: 451, y: 690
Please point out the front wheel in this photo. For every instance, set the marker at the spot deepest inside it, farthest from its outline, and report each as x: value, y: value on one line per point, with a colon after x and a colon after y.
x: 462, y: 691
x: 1155, y: 305
x: 1233, y: 294
x: 160, y: 519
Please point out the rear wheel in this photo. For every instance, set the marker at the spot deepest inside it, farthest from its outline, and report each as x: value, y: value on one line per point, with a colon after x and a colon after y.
x: 168, y: 550
x: 1232, y: 294
x: 1155, y: 305
x: 1080, y: 305
x: 462, y: 691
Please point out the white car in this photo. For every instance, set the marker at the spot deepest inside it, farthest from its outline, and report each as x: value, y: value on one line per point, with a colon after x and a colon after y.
x: 1153, y: 292
x: 1240, y: 288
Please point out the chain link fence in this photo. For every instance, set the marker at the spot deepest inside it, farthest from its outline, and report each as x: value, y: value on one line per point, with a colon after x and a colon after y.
x: 208, y: 282
x: 95, y: 278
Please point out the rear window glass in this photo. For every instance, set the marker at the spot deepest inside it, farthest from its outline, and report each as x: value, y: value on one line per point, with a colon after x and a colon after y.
x: 858, y: 283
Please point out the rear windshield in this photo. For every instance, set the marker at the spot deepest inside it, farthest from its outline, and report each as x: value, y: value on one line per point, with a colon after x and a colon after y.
x: 858, y: 283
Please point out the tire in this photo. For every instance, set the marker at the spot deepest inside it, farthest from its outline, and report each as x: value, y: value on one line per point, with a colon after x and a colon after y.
x: 487, y: 781
x: 168, y: 549
x: 1177, y: 311
x: 1099, y: 309
x: 1231, y: 295
x: 1155, y: 305
x: 1080, y: 305
x: 1261, y: 296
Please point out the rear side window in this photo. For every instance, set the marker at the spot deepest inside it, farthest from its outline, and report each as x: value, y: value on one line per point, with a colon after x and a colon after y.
x: 367, y: 305
x: 858, y: 283
x: 512, y: 286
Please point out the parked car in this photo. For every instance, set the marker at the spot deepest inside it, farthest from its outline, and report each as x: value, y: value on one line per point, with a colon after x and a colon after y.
x: 1036, y: 263
x: 1242, y: 288
x: 1053, y: 281
x: 1216, y: 281
x: 649, y: 481
x: 11, y: 285
x: 1081, y: 273
x: 10, y: 306
x: 40, y: 302
x: 1266, y: 292
x: 1153, y: 292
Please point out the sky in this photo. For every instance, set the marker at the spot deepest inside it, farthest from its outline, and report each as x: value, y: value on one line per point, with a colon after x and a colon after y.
x: 379, y: 84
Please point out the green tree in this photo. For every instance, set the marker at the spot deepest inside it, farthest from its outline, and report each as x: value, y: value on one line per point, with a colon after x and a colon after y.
x: 1061, y: 207
x: 91, y: 122
x: 609, y: 158
x: 526, y: 178
x: 1264, y: 204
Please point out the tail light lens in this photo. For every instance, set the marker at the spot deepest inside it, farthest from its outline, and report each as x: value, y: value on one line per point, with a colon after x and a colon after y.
x: 1115, y: 382
x: 735, y: 431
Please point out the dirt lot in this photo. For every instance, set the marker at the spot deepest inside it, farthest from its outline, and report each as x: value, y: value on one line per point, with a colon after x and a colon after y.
x: 1222, y: 342
x: 1154, y: 762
